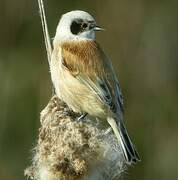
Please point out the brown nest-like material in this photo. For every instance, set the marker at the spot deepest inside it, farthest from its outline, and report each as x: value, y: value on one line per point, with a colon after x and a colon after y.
x: 68, y: 149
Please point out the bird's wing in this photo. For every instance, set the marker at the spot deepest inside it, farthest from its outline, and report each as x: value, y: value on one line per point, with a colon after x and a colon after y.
x: 89, y: 64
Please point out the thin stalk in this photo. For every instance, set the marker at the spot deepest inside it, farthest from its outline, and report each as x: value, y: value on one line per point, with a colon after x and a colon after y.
x: 45, y: 30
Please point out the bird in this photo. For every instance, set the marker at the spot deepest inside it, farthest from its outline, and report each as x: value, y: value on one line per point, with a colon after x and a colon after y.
x: 84, y: 78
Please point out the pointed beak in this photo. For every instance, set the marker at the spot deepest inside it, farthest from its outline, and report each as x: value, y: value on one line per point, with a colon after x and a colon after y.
x: 98, y: 28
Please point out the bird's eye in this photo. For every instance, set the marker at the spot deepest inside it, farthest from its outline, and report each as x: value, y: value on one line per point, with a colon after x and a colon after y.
x: 84, y: 25
x: 78, y: 26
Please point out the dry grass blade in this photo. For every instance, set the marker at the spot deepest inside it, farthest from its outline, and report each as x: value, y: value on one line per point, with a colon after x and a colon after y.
x: 45, y: 30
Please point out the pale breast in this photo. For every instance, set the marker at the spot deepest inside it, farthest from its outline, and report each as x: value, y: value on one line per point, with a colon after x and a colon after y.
x: 75, y: 94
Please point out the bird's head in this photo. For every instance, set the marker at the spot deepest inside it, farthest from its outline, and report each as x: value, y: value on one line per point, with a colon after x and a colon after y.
x: 76, y: 25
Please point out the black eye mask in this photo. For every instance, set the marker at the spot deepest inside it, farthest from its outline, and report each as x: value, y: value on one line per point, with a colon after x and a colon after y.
x: 78, y: 26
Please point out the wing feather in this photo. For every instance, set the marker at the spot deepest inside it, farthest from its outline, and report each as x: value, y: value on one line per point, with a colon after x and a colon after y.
x: 89, y: 64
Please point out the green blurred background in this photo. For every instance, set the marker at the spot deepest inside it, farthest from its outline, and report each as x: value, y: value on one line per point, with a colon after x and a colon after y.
x: 142, y: 41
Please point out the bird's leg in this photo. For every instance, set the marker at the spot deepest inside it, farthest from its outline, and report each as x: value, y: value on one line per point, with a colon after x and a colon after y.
x: 82, y: 116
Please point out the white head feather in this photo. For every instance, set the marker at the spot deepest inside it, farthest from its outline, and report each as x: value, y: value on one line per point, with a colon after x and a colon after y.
x: 63, y: 31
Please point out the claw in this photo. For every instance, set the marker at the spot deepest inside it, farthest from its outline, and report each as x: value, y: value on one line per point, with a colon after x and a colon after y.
x: 82, y: 117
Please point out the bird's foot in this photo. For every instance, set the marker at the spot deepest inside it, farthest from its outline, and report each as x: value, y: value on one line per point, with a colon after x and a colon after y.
x: 82, y: 117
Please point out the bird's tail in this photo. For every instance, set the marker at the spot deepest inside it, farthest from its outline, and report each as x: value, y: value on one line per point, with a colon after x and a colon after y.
x: 130, y: 153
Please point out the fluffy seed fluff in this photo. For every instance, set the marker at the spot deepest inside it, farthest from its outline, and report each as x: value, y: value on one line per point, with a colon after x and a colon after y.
x: 68, y: 149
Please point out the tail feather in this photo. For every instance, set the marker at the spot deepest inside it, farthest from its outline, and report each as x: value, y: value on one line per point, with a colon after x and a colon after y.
x: 129, y: 151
